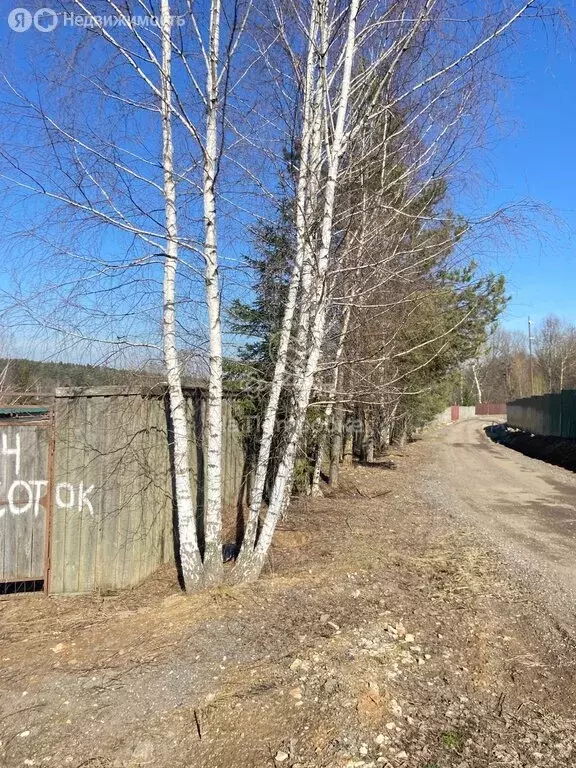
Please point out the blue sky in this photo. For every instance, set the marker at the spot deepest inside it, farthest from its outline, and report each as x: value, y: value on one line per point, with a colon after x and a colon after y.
x: 529, y: 155
x: 536, y: 159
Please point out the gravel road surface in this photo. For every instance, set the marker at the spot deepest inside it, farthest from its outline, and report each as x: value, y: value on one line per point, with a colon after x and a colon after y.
x: 526, y: 507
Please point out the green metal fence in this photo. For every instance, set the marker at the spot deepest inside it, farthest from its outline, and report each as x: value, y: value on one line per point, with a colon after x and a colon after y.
x: 553, y: 415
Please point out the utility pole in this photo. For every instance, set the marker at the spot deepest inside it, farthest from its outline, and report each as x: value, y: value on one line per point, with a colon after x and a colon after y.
x: 530, y: 356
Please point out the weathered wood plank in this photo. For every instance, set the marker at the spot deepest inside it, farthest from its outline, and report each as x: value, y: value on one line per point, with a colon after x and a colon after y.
x: 23, y: 457
x: 58, y: 522
x: 65, y: 494
x: 87, y: 476
x: 118, y: 443
x: 39, y: 531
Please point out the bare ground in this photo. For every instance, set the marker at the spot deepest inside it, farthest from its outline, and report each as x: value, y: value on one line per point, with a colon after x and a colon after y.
x: 523, y: 506
x: 386, y: 632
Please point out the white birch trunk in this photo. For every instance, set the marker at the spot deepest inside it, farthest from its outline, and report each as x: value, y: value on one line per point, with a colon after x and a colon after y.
x: 385, y: 439
x: 309, y: 288
x: 387, y: 432
x: 318, y: 461
x: 213, y: 564
x: 282, y: 485
x: 244, y: 563
x: 191, y: 562
x: 477, y: 383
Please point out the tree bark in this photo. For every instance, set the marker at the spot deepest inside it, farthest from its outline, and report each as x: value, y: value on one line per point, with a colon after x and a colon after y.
x: 389, y: 426
x: 348, y: 447
x: 368, y: 447
x: 245, y: 561
x: 336, y: 447
x: 213, y: 564
x: 477, y: 382
x: 324, y: 437
x: 190, y: 560
x: 282, y: 484
x: 402, y: 434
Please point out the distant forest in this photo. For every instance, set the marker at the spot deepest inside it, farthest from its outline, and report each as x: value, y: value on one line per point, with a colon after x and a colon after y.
x: 34, y: 377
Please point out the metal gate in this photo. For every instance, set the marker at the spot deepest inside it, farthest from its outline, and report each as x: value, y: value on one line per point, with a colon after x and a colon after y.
x: 25, y: 451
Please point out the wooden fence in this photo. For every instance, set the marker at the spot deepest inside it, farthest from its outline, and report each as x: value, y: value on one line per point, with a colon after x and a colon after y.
x: 25, y: 493
x: 553, y: 415
x: 109, y: 517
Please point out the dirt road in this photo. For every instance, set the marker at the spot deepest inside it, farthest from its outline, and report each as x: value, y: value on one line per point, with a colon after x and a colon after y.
x: 525, y: 506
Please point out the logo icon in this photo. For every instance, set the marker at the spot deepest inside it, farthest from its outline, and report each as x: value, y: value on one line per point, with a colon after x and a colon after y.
x: 45, y: 20
x: 19, y: 19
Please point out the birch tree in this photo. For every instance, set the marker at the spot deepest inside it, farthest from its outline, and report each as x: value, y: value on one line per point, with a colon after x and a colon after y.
x: 213, y: 525
x: 556, y: 352
x: 351, y: 96
x: 189, y: 549
x: 172, y: 68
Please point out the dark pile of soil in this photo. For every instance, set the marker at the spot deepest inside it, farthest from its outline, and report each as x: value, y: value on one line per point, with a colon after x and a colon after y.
x: 553, y: 450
